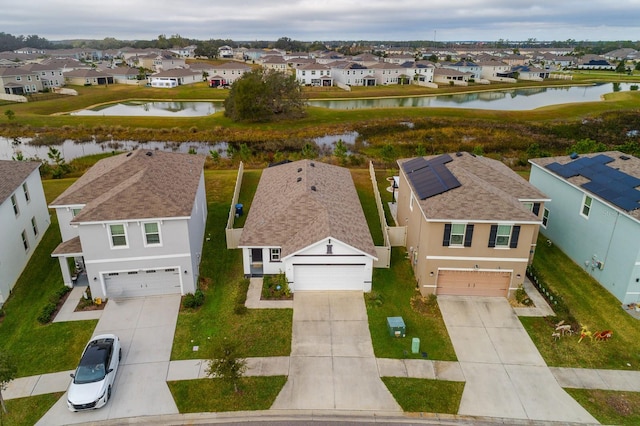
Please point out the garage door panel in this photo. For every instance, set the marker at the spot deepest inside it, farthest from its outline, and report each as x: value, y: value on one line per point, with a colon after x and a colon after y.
x: 329, y: 277
x: 473, y: 283
x: 152, y: 282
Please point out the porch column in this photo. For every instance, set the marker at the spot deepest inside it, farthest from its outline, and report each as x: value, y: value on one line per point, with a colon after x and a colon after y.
x: 66, y: 273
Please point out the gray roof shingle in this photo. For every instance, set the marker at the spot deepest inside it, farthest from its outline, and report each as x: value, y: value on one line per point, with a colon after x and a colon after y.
x: 12, y: 174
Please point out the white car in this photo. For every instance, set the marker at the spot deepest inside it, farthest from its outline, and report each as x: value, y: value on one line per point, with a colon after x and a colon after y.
x: 94, y: 377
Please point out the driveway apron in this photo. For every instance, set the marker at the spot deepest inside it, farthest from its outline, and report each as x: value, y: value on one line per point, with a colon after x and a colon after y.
x: 332, y: 362
x: 146, y: 327
x: 504, y: 372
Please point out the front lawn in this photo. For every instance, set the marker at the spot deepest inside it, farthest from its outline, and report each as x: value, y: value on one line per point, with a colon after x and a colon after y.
x: 27, y: 411
x: 40, y: 348
x: 216, y: 395
x: 391, y: 296
x: 259, y: 332
x: 609, y: 407
x: 591, y: 305
x: 425, y: 396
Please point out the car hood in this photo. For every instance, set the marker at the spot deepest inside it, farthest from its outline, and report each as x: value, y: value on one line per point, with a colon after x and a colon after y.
x: 86, y: 392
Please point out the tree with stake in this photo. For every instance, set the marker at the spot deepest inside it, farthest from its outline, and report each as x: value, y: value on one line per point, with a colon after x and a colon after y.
x: 227, y: 365
x: 8, y: 372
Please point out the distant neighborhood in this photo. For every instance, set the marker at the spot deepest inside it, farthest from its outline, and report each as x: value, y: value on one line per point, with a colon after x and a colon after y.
x: 28, y: 70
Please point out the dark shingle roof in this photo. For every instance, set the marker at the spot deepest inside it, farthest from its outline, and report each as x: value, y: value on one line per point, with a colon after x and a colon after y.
x: 13, y: 174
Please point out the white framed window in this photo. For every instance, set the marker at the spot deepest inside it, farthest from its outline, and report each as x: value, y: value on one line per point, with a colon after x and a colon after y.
x: 528, y: 205
x: 25, y: 188
x: 25, y: 241
x: 151, y: 232
x: 457, y: 234
x: 75, y: 212
x: 118, y: 236
x: 34, y: 226
x: 545, y: 217
x: 275, y: 255
x: 586, y: 206
x: 14, y: 203
x: 503, y: 236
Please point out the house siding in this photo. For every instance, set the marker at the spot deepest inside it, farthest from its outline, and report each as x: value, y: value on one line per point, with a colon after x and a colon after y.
x: 607, y: 235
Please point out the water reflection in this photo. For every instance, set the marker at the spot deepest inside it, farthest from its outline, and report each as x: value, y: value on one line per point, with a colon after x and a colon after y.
x: 154, y: 109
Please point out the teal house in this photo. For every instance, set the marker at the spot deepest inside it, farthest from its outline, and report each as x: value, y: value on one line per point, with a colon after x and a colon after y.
x: 594, y: 215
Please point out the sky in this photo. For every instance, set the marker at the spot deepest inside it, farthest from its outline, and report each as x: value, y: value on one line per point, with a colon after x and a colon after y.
x: 325, y: 20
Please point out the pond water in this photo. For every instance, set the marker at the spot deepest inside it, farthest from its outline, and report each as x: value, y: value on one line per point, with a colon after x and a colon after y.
x: 154, y: 109
x: 504, y: 100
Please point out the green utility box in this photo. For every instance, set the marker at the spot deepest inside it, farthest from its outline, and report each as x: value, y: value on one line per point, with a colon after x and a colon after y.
x: 396, y: 327
x: 415, y: 345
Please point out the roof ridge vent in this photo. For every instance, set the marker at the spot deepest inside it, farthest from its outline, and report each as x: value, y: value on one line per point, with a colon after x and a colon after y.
x: 299, y: 179
x: 149, y: 153
x: 313, y: 188
x: 624, y: 157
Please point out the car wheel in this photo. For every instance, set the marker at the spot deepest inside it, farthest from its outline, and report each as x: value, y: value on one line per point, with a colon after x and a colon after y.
x: 120, y: 355
x: 108, y: 393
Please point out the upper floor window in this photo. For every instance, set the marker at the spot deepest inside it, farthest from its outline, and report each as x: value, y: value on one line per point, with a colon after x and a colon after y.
x: 275, y: 255
x: 586, y: 206
x: 25, y: 241
x: 545, y: 217
x: 34, y: 226
x: 457, y: 235
x: 75, y: 212
x: 118, y: 235
x: 152, y: 233
x: 505, y: 236
x: 25, y: 188
x: 14, y: 203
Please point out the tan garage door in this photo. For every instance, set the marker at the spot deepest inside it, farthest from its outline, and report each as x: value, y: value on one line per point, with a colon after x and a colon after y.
x: 473, y: 283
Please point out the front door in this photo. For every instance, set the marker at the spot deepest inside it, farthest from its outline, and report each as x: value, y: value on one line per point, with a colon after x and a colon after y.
x: 256, y: 262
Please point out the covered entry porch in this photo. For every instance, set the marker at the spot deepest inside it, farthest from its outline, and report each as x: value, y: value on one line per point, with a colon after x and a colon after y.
x: 71, y: 260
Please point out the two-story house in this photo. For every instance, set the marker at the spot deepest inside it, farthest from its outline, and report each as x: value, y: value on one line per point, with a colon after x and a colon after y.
x: 594, y: 215
x: 24, y: 219
x: 134, y: 223
x: 314, y: 75
x: 472, y: 224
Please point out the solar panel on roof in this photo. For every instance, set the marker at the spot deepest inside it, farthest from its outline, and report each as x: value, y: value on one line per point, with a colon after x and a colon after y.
x: 608, y: 183
x: 430, y: 177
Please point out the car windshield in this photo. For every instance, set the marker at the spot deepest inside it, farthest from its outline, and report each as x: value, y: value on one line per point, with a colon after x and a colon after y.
x: 93, y: 365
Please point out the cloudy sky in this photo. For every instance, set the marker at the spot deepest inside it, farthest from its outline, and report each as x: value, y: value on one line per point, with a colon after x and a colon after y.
x: 311, y: 20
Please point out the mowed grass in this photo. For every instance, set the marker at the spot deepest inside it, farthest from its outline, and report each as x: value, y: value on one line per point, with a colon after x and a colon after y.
x: 425, y: 396
x: 393, y: 289
x: 40, y: 348
x: 364, y: 188
x: 216, y: 395
x: 609, y: 407
x: 259, y: 332
x: 27, y: 411
x: 593, y: 306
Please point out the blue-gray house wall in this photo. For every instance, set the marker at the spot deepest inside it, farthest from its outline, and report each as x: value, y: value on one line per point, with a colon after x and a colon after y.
x: 606, y: 244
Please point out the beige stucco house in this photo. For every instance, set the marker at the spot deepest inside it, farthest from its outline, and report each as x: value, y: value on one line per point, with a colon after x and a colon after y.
x: 472, y: 224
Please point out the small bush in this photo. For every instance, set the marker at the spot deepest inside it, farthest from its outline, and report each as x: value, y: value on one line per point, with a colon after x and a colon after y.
x: 193, y: 300
x: 522, y: 297
x: 240, y: 309
x: 47, y: 313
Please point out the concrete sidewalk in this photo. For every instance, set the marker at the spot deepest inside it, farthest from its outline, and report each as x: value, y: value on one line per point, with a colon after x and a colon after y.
x: 67, y: 312
x: 255, y: 293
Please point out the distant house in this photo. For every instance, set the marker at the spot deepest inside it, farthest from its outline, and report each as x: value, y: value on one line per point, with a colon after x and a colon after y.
x: 227, y: 73
x: 594, y: 215
x: 134, y: 224
x: 306, y: 221
x: 451, y: 76
x: 528, y: 72
x: 174, y: 77
x: 466, y: 67
x: 494, y: 70
x: 24, y: 219
x: 352, y: 74
x: 390, y: 73
x: 88, y: 77
x: 19, y: 81
x: 225, y: 52
x: 314, y: 74
x: 472, y: 224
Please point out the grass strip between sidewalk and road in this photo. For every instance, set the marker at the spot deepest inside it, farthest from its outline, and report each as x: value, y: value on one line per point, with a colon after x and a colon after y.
x: 27, y: 411
x: 609, y: 407
x: 425, y: 396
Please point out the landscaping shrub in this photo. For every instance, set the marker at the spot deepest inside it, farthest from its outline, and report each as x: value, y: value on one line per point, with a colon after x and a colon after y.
x: 557, y: 304
x: 47, y: 313
x: 276, y: 287
x: 193, y: 300
x: 522, y: 297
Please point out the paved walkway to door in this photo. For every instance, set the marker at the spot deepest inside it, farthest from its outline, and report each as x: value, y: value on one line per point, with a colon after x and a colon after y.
x: 504, y: 372
x: 332, y: 366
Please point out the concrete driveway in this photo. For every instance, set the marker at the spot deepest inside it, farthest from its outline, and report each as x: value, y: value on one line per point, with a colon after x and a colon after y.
x: 504, y: 372
x: 332, y: 362
x: 146, y: 327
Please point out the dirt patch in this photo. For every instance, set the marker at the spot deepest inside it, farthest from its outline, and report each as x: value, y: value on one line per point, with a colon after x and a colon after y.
x: 427, y: 306
x: 620, y: 404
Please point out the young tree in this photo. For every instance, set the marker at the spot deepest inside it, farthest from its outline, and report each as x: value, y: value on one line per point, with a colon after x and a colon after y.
x: 226, y: 364
x: 340, y: 151
x: 8, y: 371
x: 61, y: 167
x: 10, y: 114
x: 265, y: 95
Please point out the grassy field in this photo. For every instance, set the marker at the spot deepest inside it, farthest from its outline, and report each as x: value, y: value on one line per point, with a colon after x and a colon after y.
x: 214, y: 395
x: 425, y: 396
x: 42, y: 348
x: 27, y: 411
x: 591, y: 305
x: 609, y: 407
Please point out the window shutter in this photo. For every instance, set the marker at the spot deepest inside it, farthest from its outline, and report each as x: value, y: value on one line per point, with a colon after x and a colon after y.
x: 468, y: 235
x: 446, y: 239
x: 492, y: 235
x: 536, y: 208
x: 515, y: 233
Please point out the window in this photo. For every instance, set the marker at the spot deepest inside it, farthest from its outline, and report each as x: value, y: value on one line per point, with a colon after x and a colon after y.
x: 118, y: 236
x: 25, y: 241
x: 34, y: 225
x: 411, y: 202
x: 275, y: 255
x: 152, y: 233
x: 457, y: 235
x: 75, y: 212
x: 586, y: 206
x: 14, y: 203
x: 528, y: 205
x: 25, y: 188
x: 503, y: 235
x: 545, y: 217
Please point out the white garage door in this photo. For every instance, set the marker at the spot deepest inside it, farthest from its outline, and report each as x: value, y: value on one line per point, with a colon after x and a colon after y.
x: 329, y: 277
x: 152, y: 282
x: 473, y: 283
